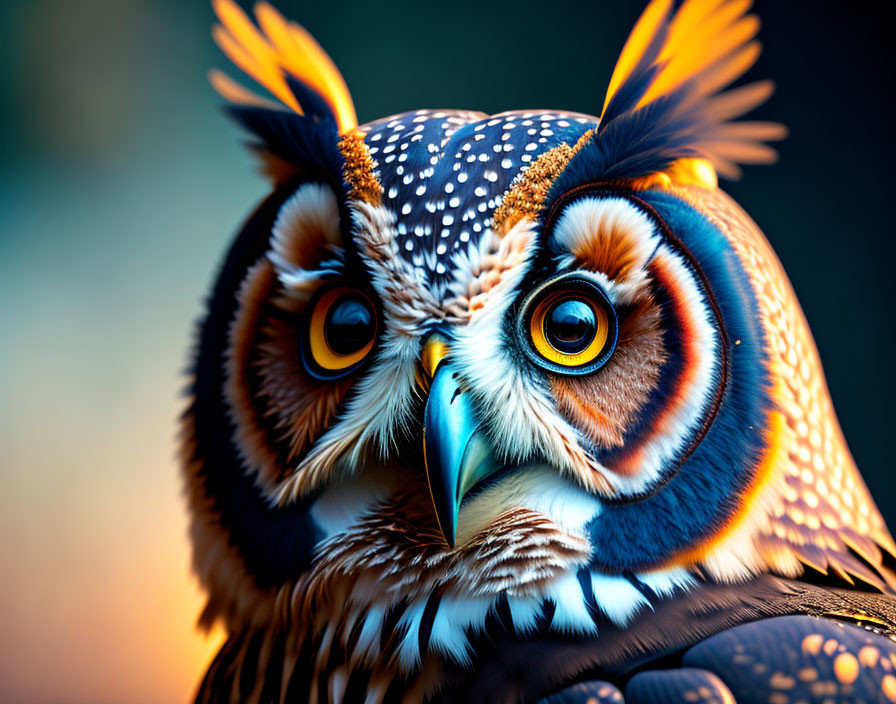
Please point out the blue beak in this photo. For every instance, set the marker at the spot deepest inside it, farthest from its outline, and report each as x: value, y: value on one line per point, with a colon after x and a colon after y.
x: 457, y: 453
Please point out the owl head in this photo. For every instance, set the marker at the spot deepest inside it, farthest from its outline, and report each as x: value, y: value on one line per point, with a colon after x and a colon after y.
x: 531, y: 371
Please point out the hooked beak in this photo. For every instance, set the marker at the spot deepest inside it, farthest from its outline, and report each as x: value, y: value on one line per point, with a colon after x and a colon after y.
x: 457, y: 454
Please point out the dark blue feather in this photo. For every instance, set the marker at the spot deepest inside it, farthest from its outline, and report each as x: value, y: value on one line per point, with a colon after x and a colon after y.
x: 309, y: 143
x: 275, y: 543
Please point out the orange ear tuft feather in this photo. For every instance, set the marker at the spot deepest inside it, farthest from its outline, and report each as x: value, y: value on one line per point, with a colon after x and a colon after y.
x: 689, y: 57
x: 278, y: 49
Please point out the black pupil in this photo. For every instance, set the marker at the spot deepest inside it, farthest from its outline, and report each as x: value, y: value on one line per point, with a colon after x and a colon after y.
x: 350, y: 325
x: 570, y: 326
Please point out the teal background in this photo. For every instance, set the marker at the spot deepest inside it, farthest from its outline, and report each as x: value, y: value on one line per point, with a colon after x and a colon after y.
x: 121, y: 185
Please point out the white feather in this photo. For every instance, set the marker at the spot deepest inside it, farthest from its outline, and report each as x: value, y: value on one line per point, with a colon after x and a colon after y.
x: 537, y: 487
x: 667, y: 582
x: 409, y: 647
x: 454, y: 616
x: 524, y: 611
x: 617, y: 597
x: 367, y: 646
x: 571, y: 613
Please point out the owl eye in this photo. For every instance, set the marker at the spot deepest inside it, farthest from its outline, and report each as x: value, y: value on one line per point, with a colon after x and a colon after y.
x: 570, y: 326
x: 341, y: 331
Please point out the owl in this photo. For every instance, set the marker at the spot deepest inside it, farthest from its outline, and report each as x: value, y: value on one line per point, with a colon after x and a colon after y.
x: 522, y: 407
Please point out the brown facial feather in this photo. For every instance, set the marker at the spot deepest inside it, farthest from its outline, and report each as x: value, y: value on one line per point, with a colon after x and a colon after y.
x: 257, y: 453
x: 298, y: 408
x: 278, y: 409
x: 602, y: 405
x: 614, y: 240
x: 610, y: 251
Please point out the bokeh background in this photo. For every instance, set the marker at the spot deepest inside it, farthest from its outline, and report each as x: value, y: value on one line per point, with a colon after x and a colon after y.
x: 121, y: 184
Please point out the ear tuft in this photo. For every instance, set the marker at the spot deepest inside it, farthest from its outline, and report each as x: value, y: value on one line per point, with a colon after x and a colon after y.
x: 664, y: 101
x: 284, y: 59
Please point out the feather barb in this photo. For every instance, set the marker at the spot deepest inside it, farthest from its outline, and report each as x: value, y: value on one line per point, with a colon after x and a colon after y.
x: 669, y: 77
x: 273, y: 54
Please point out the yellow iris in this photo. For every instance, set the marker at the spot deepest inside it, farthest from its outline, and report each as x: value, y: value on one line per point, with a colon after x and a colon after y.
x: 318, y: 341
x: 540, y: 338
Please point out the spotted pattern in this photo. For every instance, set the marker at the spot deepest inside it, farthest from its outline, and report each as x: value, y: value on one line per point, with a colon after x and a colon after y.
x: 800, y: 659
x: 687, y: 684
x: 785, y: 660
x: 586, y: 693
x: 444, y: 172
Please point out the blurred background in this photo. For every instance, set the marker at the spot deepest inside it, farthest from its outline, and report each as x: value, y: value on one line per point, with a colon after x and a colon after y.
x: 121, y: 185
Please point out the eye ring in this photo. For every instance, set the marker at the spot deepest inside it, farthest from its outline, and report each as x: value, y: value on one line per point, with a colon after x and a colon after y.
x: 339, y: 332
x: 568, y: 325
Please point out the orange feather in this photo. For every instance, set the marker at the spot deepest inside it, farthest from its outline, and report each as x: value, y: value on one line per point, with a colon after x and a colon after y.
x: 269, y: 54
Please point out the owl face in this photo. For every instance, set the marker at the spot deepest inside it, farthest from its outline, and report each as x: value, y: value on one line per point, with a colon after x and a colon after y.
x: 532, y: 364
x: 442, y: 329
